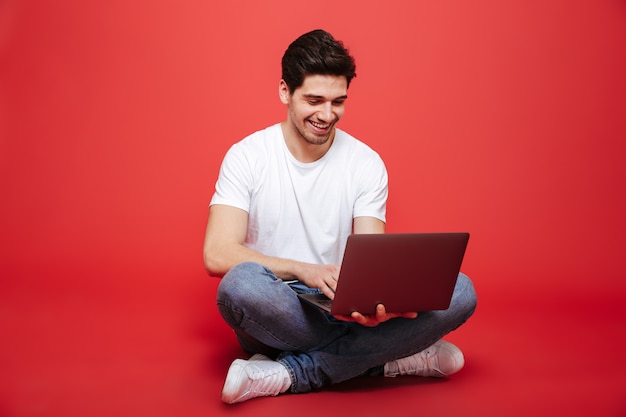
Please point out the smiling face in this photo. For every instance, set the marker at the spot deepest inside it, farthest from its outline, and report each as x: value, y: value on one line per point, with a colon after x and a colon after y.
x: 313, y: 110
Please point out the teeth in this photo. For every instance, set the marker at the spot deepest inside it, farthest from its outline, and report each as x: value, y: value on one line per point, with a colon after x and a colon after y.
x: 320, y: 125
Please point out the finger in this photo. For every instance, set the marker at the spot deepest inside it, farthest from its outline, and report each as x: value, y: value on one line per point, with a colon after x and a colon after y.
x: 328, y: 292
x: 358, y: 317
x: 381, y: 313
x: 332, y: 283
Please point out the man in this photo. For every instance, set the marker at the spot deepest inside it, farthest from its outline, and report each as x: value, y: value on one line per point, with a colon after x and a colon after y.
x: 286, y: 199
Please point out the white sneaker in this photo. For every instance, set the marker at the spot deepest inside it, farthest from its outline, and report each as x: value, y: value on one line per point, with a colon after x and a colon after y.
x: 440, y: 359
x: 259, y: 376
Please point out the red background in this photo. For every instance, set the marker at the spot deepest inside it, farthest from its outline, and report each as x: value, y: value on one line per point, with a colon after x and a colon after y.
x: 505, y: 119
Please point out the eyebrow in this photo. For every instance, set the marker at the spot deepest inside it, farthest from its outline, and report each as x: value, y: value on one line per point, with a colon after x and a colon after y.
x: 324, y: 98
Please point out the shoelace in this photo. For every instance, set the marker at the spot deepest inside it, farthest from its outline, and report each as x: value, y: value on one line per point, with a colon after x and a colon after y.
x: 419, y: 364
x: 265, y: 379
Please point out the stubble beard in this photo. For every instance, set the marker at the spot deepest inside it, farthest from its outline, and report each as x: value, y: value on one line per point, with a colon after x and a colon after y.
x: 313, y: 139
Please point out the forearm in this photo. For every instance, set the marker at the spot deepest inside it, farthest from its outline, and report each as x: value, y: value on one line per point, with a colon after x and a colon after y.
x: 218, y: 261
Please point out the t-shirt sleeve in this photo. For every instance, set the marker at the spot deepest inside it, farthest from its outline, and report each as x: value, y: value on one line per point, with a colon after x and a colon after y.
x: 372, y: 183
x: 235, y: 180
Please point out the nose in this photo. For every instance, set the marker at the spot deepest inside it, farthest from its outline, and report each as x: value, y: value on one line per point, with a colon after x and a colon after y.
x: 326, y: 112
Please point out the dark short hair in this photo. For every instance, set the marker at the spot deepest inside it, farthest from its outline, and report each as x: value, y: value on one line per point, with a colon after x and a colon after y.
x: 316, y: 53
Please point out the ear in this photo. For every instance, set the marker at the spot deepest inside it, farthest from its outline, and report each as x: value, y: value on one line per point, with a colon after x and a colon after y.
x: 283, y: 92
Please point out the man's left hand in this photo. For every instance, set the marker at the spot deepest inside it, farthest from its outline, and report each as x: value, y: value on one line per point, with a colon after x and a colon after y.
x: 373, y: 320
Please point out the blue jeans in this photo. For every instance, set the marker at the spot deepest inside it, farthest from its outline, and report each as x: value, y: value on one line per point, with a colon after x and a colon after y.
x: 317, y: 349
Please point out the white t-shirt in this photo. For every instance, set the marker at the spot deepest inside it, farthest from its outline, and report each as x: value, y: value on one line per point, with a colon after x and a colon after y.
x: 301, y: 211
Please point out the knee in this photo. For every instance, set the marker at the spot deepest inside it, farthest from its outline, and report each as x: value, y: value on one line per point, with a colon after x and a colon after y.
x: 241, y: 281
x: 245, y: 270
x: 465, y: 297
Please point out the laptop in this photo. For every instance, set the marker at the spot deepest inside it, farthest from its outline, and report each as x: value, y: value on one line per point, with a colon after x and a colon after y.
x: 407, y: 272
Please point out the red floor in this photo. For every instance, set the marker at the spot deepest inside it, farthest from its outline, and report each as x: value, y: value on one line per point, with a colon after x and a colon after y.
x: 503, y: 118
x: 75, y: 344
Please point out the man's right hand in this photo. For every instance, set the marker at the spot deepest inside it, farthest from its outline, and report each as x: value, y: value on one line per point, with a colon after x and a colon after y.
x: 323, y: 277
